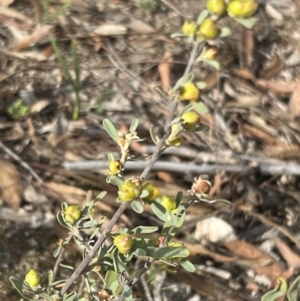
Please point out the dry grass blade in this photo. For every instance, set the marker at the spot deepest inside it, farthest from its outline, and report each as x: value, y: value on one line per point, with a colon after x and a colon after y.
x: 35, y: 37
x: 6, y: 2
x: 294, y: 104
x: 11, y: 185
x: 246, y: 47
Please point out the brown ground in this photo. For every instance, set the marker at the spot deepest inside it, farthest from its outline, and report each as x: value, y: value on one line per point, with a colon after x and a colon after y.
x: 251, y: 152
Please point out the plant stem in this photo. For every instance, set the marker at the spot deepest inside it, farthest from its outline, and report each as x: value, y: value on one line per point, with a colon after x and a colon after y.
x: 123, y: 207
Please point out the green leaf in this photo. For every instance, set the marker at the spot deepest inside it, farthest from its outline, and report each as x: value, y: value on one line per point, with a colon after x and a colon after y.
x: 143, y: 230
x: 75, y: 62
x: 200, y: 107
x: 167, y: 252
x: 179, y: 83
x: 160, y: 211
x: 139, y: 252
x: 110, y: 129
x: 144, y: 193
x: 110, y: 157
x: 248, y: 23
x: 137, y: 206
x: 19, y: 286
x: 277, y: 292
x: 201, y: 85
x: 294, y: 290
x: 134, y: 125
x: 201, y: 128
x: 87, y: 283
x: 179, y: 197
x: 168, y: 224
x: 114, y: 180
x: 110, y: 277
x: 127, y: 293
x: 214, y: 63
x: 199, y: 39
x: 56, y: 251
x: 69, y: 267
x: 62, y: 221
x: 70, y: 297
x: 101, y: 195
x: 114, y: 286
x: 50, y: 277
x: 202, y: 16
x: 189, y: 40
x: 89, y: 224
x: 190, y: 77
x: 225, y: 31
x: 153, y: 135
x: 177, y: 35
x: 187, y: 265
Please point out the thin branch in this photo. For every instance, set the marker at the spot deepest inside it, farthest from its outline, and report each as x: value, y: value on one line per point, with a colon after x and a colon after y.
x: 123, y: 207
x: 22, y: 163
x: 59, y: 257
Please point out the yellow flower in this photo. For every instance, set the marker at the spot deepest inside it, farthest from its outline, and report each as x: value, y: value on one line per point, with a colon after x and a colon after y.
x: 168, y: 203
x: 152, y: 190
x: 174, y: 138
x: 128, y: 191
x: 123, y: 242
x: 114, y: 167
x: 217, y: 7
x: 189, y: 92
x: 189, y: 28
x: 190, y: 120
x: 72, y: 214
x: 241, y: 8
x: 209, y: 29
x: 33, y: 278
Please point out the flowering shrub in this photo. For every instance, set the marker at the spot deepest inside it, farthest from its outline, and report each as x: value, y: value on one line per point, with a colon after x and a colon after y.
x: 114, y: 257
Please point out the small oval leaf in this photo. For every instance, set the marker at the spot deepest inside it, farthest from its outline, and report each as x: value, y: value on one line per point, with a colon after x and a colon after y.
x: 110, y: 129
x: 248, y: 23
x: 225, y: 31
x: 101, y: 195
x: 201, y: 85
x: 202, y: 16
x: 277, y: 292
x: 177, y: 35
x: 200, y: 107
x: 134, y: 125
x: 187, y: 265
x: 137, y: 206
x: 160, y: 211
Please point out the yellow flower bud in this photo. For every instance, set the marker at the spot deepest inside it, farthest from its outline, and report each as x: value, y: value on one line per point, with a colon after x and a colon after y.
x: 241, y: 8
x: 217, y: 7
x: 114, y: 167
x: 33, y: 278
x: 190, y: 120
x: 189, y: 92
x: 174, y: 139
x: 189, y: 28
x: 152, y: 190
x: 211, y: 53
x: 72, y: 214
x: 123, y: 242
x: 190, y: 117
x: 168, y: 203
x: 128, y: 191
x: 209, y: 29
x: 249, y: 8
